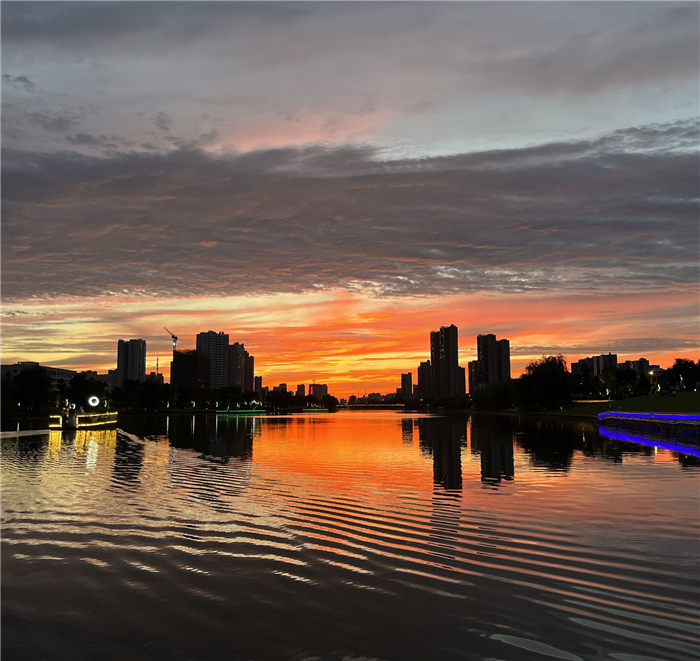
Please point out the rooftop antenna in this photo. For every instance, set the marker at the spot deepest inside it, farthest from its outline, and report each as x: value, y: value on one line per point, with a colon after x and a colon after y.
x: 156, y: 366
x: 173, y: 336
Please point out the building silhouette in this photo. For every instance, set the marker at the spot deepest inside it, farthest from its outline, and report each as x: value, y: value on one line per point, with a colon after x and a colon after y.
x: 318, y: 390
x: 241, y: 368
x: 215, y: 345
x: 444, y: 362
x: 641, y: 366
x: 473, y: 375
x: 301, y: 390
x: 407, y: 385
x: 424, y: 387
x: 596, y: 365
x: 258, y: 384
x: 155, y: 378
x: 249, y: 373
x: 492, y: 364
x: 58, y: 375
x: 131, y: 361
x: 603, y: 362
x: 189, y: 369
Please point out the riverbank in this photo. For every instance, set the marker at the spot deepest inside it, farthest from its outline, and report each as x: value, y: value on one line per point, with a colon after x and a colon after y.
x: 685, y: 402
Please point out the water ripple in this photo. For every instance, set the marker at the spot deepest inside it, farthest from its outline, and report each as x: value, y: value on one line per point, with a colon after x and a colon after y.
x: 460, y: 535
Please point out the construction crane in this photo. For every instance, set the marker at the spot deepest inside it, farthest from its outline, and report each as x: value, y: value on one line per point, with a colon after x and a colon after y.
x: 173, y: 336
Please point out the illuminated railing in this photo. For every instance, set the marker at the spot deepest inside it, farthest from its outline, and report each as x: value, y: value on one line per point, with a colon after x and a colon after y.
x: 83, y: 420
x: 95, y: 419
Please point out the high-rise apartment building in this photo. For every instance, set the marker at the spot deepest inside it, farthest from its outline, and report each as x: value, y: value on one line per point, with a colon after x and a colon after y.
x: 249, y: 373
x: 424, y: 389
x: 492, y: 364
x: 407, y: 385
x: 487, y: 357
x: 189, y: 369
x: 461, y: 380
x: 595, y: 365
x: 301, y: 390
x: 444, y: 362
x: 640, y: 366
x: 503, y: 357
x: 257, y: 384
x: 473, y: 375
x: 241, y: 367
x: 585, y: 364
x: 215, y: 345
x: 603, y: 362
x: 131, y: 361
x: 236, y: 364
x: 318, y: 390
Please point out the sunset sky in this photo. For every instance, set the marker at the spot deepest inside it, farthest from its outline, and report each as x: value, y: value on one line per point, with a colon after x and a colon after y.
x: 329, y: 182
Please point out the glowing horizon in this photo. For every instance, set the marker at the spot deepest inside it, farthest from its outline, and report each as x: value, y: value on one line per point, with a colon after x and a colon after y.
x: 354, y: 343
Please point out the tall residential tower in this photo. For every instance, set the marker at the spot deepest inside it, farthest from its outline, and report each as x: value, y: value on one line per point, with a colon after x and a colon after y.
x: 447, y: 379
x: 215, y: 345
x: 131, y: 361
x: 492, y: 364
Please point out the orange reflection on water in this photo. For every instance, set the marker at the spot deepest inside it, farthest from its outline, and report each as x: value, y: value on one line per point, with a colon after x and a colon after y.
x: 346, y: 452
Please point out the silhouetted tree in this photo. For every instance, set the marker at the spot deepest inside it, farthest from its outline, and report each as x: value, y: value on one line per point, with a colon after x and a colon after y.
x: 153, y: 396
x: 625, y: 382
x: 82, y: 387
x: 546, y: 383
x: 329, y: 402
x: 643, y: 385
x: 496, y: 397
x: 8, y: 391
x: 33, y: 389
x: 684, y: 373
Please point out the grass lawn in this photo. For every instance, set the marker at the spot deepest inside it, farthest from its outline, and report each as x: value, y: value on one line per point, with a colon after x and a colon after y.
x: 685, y: 402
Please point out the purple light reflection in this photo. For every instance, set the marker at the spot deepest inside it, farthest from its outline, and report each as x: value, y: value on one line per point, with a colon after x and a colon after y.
x: 676, y: 417
x: 640, y: 440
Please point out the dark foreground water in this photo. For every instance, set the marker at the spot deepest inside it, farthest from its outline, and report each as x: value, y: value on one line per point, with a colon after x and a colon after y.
x: 352, y: 536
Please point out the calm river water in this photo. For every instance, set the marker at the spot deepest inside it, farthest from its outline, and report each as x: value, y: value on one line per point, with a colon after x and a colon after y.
x: 348, y: 536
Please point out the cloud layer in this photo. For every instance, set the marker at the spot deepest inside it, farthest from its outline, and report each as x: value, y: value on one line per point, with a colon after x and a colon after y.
x: 619, y: 212
x: 331, y: 181
x: 428, y: 77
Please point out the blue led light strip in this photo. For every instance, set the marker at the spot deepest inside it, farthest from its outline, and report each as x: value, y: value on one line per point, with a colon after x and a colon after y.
x: 668, y: 417
x: 640, y: 440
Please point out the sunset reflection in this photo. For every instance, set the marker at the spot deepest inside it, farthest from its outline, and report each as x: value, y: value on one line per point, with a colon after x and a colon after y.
x: 426, y: 512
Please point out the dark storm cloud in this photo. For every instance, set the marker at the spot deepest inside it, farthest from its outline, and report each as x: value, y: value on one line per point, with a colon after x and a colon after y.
x: 619, y: 212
